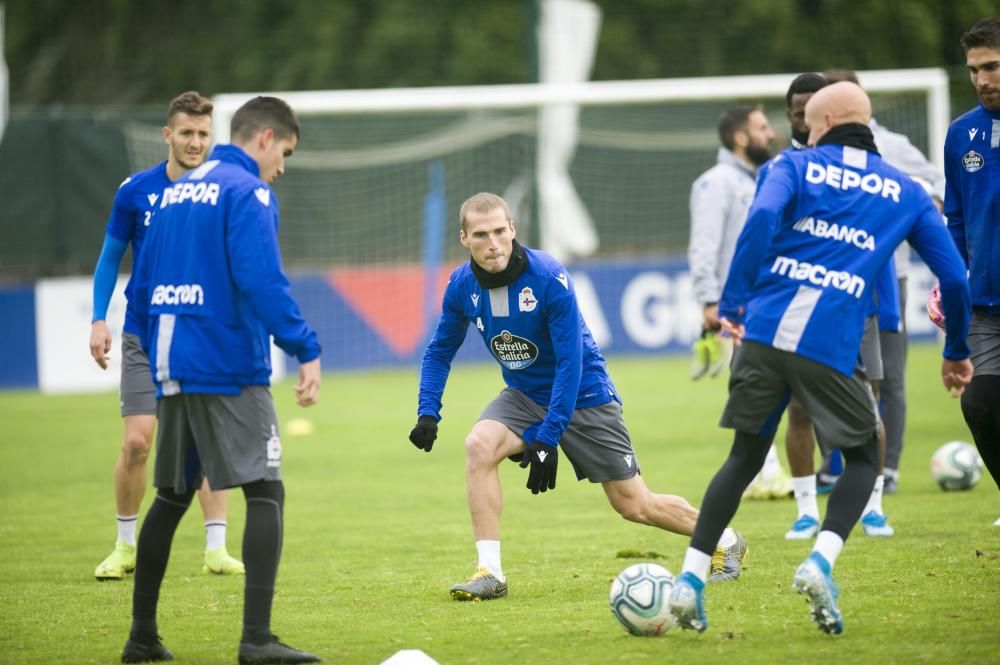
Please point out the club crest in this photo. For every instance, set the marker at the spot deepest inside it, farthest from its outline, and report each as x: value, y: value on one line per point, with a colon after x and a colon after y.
x: 526, y: 301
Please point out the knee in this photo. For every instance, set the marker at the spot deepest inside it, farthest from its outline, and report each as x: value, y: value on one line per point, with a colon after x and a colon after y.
x: 631, y: 507
x: 797, y: 416
x: 135, y: 448
x: 480, y: 448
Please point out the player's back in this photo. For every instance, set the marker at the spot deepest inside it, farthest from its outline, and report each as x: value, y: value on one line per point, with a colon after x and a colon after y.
x: 194, y: 248
x: 846, y: 213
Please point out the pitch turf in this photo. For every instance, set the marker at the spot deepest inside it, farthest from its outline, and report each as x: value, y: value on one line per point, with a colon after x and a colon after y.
x: 376, y: 531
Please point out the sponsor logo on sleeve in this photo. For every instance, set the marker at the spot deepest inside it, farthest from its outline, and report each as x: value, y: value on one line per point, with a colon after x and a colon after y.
x: 526, y: 301
x: 263, y: 195
x: 512, y: 351
x: 973, y: 161
x: 563, y: 280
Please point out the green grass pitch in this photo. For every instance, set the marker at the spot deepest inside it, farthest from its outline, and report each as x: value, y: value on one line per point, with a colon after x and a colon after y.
x: 376, y: 531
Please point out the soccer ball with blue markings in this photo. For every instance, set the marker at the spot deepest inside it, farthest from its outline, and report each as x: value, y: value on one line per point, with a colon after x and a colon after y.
x: 639, y: 599
x: 956, y: 466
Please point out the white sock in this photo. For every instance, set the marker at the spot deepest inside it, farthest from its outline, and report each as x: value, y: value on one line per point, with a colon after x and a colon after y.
x: 215, y: 534
x: 727, y: 539
x: 126, y: 528
x: 489, y: 557
x: 805, y: 495
x: 875, y: 500
x: 772, y: 465
x: 697, y: 562
x: 829, y: 545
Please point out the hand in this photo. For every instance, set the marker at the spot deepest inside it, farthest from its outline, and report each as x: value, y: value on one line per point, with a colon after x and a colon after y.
x: 734, y: 330
x: 544, y: 460
x: 307, y: 391
x: 934, y: 311
x: 956, y: 374
x: 100, y: 343
x: 710, y: 317
x: 424, y: 433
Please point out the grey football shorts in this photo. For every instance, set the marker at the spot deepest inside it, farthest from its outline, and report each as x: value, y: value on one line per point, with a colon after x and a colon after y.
x: 596, y: 442
x: 842, y: 408
x: 871, y: 350
x: 137, y: 394
x: 984, y: 338
x: 230, y: 439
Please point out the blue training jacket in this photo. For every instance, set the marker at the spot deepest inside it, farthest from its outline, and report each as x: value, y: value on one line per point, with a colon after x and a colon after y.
x: 820, y: 230
x: 533, y: 328
x: 136, y: 202
x: 972, y: 200
x: 210, y: 285
x: 883, y: 300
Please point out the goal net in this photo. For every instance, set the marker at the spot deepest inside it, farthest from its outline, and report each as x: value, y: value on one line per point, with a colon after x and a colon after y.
x: 598, y: 173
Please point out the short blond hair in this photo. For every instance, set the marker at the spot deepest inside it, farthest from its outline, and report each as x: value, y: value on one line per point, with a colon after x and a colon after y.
x: 480, y: 203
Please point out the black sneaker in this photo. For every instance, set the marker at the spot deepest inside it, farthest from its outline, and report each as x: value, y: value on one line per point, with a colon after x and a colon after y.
x: 142, y: 652
x: 273, y: 653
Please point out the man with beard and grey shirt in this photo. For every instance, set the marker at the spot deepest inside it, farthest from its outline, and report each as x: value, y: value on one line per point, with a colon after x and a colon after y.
x: 720, y: 199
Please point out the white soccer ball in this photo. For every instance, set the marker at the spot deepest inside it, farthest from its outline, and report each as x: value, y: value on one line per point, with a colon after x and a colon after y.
x: 956, y: 466
x: 639, y: 599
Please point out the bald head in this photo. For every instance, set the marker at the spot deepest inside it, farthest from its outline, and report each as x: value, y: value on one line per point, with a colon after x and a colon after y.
x: 837, y: 104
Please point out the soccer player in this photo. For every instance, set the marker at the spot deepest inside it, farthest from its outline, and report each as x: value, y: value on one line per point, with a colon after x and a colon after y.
x: 720, y: 199
x: 897, y: 150
x: 972, y: 206
x: 558, y: 394
x: 795, y: 299
x: 210, y: 290
x: 188, y: 136
x: 799, y: 442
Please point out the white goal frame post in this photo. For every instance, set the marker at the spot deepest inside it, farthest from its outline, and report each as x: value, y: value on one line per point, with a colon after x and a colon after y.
x: 932, y: 81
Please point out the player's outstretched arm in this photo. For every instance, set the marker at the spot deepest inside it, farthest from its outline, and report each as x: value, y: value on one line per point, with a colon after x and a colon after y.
x: 956, y: 375
x: 307, y: 390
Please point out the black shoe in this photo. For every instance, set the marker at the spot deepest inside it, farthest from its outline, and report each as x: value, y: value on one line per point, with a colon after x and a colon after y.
x: 142, y: 652
x: 273, y: 653
x: 890, y: 485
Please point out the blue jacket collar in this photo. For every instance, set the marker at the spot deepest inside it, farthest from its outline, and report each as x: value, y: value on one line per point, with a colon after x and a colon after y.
x: 234, y: 154
x: 993, y: 114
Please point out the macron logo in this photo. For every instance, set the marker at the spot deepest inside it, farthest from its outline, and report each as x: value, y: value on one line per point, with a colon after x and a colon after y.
x: 819, y: 275
x: 542, y: 455
x: 181, y: 294
x: 563, y: 280
x: 628, y: 461
x: 263, y: 195
x: 972, y: 133
x: 152, y: 199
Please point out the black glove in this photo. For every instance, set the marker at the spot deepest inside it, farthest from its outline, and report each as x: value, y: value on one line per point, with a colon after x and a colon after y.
x: 424, y: 433
x: 544, y: 459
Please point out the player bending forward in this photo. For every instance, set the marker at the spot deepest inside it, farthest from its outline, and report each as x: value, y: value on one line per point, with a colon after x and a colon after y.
x: 558, y: 394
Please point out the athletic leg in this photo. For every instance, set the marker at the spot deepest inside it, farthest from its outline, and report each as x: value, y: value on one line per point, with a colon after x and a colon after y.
x: 486, y: 446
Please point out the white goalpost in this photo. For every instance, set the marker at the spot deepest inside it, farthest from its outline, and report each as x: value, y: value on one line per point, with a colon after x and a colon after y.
x: 370, y: 198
